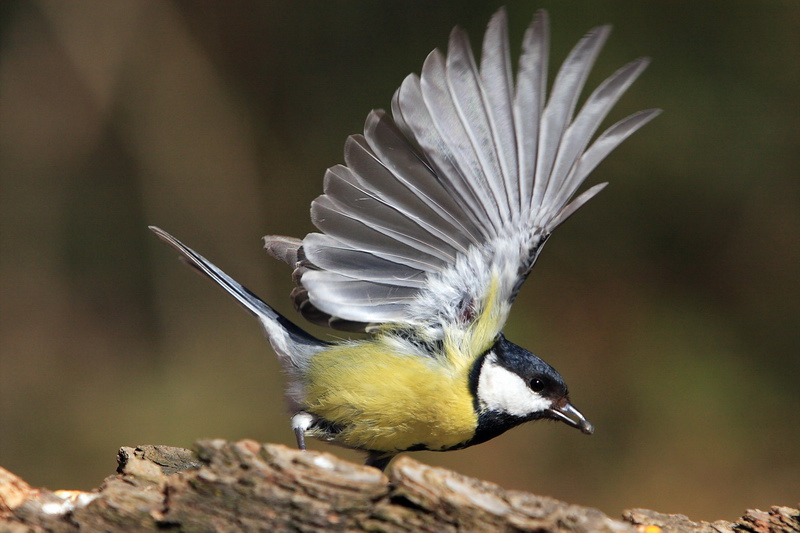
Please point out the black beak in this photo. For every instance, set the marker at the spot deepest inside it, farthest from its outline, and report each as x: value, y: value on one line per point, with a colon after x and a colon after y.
x: 572, y: 417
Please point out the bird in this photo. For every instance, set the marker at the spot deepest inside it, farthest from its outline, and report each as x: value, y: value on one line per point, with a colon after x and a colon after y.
x: 425, y: 236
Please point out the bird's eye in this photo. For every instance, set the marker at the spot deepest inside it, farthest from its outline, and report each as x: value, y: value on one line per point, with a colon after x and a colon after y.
x: 537, y: 385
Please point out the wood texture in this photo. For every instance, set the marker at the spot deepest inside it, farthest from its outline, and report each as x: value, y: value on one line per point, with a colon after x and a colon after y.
x: 247, y: 486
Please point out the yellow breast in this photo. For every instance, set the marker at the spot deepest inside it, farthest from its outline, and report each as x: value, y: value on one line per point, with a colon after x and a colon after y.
x: 387, y: 400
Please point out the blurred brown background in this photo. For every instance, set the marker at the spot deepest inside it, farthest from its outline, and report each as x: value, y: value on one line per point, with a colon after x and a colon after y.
x: 670, y: 303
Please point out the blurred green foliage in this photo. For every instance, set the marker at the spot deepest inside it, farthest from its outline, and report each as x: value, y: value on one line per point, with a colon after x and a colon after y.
x: 670, y: 303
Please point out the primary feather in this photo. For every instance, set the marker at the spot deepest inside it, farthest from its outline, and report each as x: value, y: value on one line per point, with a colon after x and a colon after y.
x: 441, y: 209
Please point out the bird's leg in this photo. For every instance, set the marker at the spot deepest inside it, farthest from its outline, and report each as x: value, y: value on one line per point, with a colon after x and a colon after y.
x: 379, y: 460
x: 301, y: 422
x: 299, y: 434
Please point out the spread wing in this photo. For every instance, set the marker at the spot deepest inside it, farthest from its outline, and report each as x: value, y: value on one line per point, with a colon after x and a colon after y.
x: 440, y: 210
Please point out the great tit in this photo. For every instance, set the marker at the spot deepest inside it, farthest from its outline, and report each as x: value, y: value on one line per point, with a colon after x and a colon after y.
x: 426, y: 235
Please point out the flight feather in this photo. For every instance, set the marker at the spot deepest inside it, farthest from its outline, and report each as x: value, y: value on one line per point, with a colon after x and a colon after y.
x: 441, y: 208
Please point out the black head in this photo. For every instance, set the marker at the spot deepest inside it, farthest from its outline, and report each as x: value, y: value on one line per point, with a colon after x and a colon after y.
x: 512, y: 386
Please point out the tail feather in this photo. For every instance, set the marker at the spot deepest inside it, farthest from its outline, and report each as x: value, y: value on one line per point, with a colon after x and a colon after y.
x: 286, y: 338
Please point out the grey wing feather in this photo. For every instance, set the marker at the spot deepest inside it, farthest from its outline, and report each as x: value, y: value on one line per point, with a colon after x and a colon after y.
x: 413, y: 176
x: 418, y: 125
x: 371, y: 180
x: 559, y: 109
x: 456, y: 161
x: 357, y: 201
x: 283, y: 248
x: 333, y: 220
x: 330, y: 255
x: 462, y: 185
x: 529, y: 100
x: 577, y: 136
x: 477, y: 138
x: 610, y: 139
x: 498, y: 91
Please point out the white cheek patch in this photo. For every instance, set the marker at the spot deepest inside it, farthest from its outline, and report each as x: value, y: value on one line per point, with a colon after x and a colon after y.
x: 503, y: 391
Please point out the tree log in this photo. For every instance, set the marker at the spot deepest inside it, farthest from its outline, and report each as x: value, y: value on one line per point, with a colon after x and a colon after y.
x: 247, y: 486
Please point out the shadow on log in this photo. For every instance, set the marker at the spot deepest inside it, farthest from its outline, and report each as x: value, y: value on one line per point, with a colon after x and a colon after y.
x: 247, y: 486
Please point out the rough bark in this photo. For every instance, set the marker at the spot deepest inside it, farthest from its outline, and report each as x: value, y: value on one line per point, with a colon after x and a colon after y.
x: 246, y: 486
